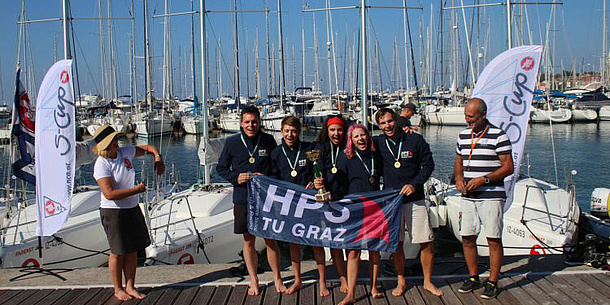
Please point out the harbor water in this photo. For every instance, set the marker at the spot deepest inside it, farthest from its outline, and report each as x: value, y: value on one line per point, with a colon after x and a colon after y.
x: 582, y: 148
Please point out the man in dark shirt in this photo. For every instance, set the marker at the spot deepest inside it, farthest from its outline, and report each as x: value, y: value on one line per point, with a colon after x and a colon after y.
x: 407, y: 165
x: 482, y: 161
x: 244, y: 155
x: 404, y: 119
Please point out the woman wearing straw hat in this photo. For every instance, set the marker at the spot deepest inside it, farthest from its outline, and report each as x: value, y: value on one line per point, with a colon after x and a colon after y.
x: 121, y: 216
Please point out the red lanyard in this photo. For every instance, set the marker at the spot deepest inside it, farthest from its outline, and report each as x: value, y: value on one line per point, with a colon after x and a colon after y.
x: 473, y: 143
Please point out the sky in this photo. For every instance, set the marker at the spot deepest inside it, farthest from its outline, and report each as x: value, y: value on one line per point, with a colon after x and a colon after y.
x: 577, y: 28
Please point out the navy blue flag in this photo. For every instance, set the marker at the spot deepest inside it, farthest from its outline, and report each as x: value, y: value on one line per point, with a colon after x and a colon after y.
x: 23, y: 128
x: 288, y: 212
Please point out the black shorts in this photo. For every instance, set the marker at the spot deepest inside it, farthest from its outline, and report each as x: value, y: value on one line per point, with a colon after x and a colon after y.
x: 125, y: 229
x: 240, y: 214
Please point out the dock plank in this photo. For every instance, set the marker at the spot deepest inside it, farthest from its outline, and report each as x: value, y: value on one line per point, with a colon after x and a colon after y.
x: 585, y: 289
x: 83, y: 297
x: 541, y: 297
x: 52, y: 297
x: 133, y: 301
x: 9, y: 294
x: 548, y: 288
x: 449, y: 296
x: 271, y: 296
x: 307, y: 295
x: 427, y: 296
x: 239, y: 294
x: 20, y: 298
x: 203, y: 296
x: 599, y: 287
x: 186, y: 296
x: 392, y: 300
x: 604, y: 278
x: 221, y: 295
x: 514, y: 286
x: 412, y: 295
x: 574, y: 294
x: 101, y: 297
x: 39, y: 295
x: 153, y: 295
x: 168, y: 297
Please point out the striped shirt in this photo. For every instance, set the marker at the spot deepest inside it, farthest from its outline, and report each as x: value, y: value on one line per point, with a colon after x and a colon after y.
x: 483, y: 158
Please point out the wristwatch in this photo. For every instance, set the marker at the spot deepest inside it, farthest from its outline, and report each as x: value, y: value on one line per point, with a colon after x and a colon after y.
x: 486, y: 179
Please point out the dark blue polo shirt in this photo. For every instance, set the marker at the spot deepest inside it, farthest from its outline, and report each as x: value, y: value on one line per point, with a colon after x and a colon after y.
x: 281, y: 168
x: 234, y: 160
x: 416, y: 163
x: 353, y: 175
x: 325, y: 163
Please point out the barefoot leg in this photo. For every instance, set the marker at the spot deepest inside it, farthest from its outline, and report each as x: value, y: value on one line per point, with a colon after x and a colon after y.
x: 339, y: 262
x: 318, y: 253
x: 427, y: 262
x: 273, y: 257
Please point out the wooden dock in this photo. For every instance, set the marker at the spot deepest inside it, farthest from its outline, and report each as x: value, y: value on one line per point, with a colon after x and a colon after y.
x: 523, y: 282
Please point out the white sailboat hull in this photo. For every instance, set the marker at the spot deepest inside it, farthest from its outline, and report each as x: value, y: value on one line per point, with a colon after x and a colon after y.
x: 175, y: 233
x: 584, y: 115
x: 561, y: 115
x: 82, y: 229
x: 550, y: 217
x: 153, y: 127
x: 604, y: 113
x: 445, y: 116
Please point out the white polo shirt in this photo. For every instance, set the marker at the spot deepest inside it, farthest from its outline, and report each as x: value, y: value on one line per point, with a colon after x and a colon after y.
x: 122, y: 173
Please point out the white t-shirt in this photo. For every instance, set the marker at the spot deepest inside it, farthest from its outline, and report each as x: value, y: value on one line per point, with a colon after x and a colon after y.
x: 121, y: 170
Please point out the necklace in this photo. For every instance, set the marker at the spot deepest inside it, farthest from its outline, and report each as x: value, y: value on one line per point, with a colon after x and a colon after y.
x: 251, y: 153
x: 333, y: 157
x: 397, y: 156
x: 371, y: 171
x: 293, y: 173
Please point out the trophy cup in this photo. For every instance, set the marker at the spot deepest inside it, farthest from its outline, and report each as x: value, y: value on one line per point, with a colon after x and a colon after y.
x: 313, y: 155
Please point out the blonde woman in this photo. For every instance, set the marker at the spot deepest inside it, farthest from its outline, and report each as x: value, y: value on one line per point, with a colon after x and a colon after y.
x: 121, y: 216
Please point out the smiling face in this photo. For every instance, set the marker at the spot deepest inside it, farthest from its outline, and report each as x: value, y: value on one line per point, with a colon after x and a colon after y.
x: 360, y: 139
x: 290, y: 134
x: 250, y: 123
x: 388, y: 125
x: 335, y: 133
x: 475, y: 118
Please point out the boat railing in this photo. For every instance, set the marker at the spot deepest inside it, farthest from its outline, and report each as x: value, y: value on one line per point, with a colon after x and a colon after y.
x: 548, y: 213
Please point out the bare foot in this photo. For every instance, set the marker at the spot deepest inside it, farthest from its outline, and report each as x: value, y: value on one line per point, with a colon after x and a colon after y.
x: 432, y: 289
x: 375, y: 294
x: 134, y: 293
x: 399, y: 290
x: 294, y: 288
x: 122, y: 295
x: 343, y: 287
x: 253, y: 289
x: 279, y: 286
x: 349, y: 299
x: 323, y: 290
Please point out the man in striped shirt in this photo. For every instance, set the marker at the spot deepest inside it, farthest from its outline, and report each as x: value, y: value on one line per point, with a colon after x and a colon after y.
x: 482, y: 161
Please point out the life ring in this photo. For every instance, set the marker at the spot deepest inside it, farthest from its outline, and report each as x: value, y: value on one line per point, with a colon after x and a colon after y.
x: 186, y: 259
x: 30, y: 262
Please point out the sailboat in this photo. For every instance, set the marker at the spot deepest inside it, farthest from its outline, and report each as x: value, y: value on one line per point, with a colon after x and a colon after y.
x: 195, y: 226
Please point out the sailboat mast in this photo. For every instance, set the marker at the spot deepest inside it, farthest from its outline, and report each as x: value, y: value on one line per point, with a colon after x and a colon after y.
x: 148, y: 65
x: 236, y: 57
x: 604, y: 48
x: 204, y: 79
x: 269, y: 91
x: 303, y: 71
x: 363, y: 93
x: 404, y: 12
x: 66, y: 27
x: 281, y: 52
x: 193, y: 78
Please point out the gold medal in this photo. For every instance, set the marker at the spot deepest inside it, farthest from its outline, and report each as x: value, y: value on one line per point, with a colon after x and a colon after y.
x: 397, y: 164
x: 293, y: 173
x: 251, y: 160
x: 334, y: 170
x: 372, y: 179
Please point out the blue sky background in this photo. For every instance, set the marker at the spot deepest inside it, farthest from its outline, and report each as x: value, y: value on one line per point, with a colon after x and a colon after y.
x: 578, y: 38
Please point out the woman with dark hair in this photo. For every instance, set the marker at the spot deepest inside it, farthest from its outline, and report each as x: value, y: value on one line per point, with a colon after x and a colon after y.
x: 122, y: 218
x: 359, y: 169
x: 331, y: 143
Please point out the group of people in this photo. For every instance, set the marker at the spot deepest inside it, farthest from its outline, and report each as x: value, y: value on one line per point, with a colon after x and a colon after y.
x: 351, y: 161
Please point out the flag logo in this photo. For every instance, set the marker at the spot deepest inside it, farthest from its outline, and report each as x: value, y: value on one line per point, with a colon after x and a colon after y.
x: 527, y: 63
x: 64, y: 77
x: 52, y: 207
x: 128, y: 163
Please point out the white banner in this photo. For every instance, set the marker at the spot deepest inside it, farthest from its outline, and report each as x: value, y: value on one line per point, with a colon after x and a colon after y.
x: 507, y: 86
x: 55, y: 148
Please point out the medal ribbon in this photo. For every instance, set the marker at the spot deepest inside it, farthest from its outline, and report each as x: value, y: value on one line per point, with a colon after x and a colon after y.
x: 295, y: 160
x: 244, y: 141
x: 333, y: 155
x: 366, y: 167
x: 399, y: 148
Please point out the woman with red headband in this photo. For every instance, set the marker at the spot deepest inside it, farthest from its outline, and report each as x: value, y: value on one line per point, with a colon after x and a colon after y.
x: 331, y: 142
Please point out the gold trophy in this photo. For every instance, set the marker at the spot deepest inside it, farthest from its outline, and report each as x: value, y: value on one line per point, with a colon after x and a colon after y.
x: 313, y: 155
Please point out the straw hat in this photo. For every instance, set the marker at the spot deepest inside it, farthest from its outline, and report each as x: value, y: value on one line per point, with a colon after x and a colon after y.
x: 104, y: 135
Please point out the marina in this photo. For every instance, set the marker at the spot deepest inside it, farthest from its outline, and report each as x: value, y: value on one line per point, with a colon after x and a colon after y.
x: 174, y: 86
